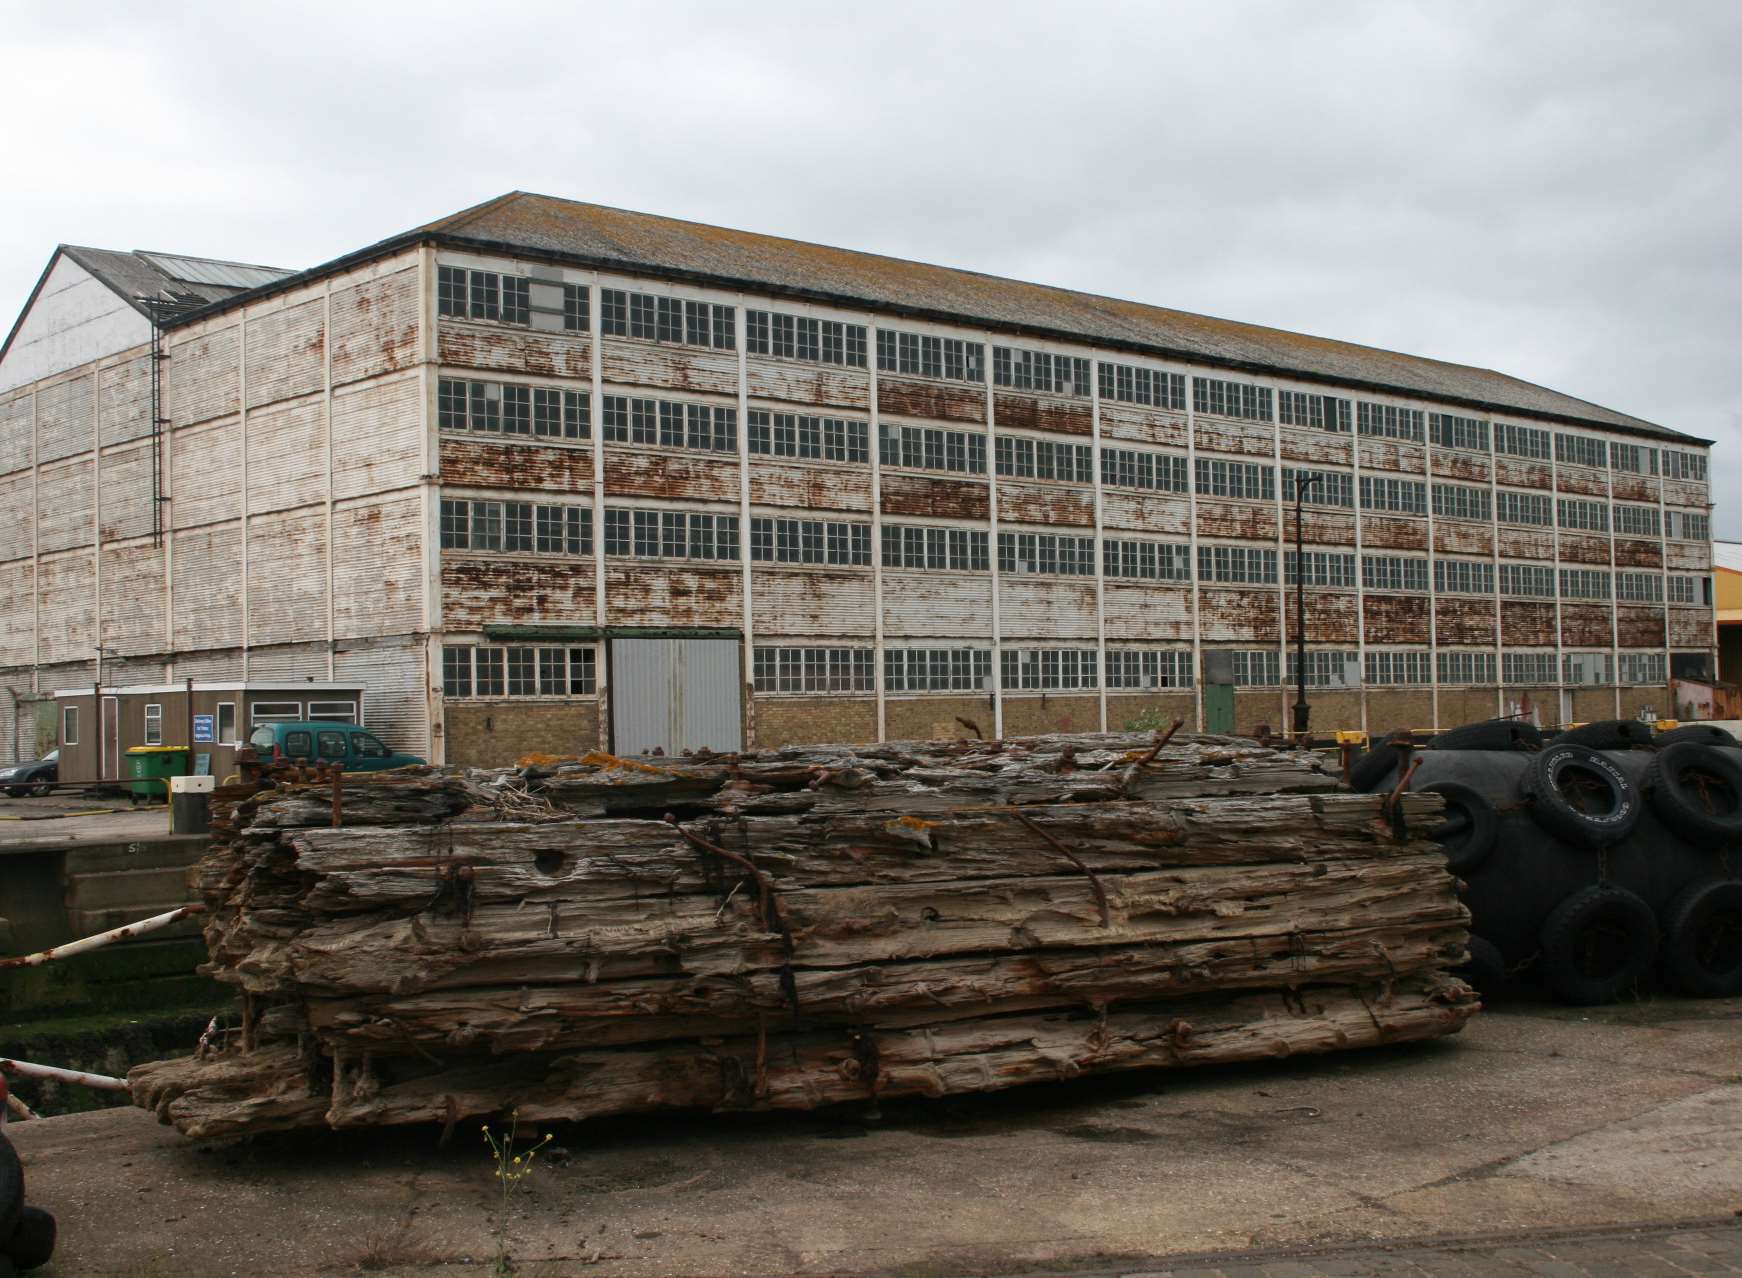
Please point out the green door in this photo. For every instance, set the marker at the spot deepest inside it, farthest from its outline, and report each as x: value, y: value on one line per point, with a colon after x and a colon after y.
x: 1219, y: 708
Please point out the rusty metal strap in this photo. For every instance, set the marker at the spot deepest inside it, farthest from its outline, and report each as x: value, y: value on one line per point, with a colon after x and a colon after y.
x: 1073, y: 858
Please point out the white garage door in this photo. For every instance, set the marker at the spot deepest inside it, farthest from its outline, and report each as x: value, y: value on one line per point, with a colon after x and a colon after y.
x: 676, y: 695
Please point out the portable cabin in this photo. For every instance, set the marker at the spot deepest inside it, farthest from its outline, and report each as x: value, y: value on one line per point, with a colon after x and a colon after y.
x: 98, y: 725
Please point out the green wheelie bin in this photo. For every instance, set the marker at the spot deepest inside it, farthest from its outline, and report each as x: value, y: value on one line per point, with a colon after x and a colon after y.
x: 149, y: 769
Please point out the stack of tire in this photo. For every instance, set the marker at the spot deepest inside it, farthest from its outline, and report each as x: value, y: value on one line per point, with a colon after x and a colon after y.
x: 1594, y: 861
x: 26, y: 1233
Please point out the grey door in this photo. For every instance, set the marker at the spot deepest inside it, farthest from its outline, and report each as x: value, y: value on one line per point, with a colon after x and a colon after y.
x: 676, y: 695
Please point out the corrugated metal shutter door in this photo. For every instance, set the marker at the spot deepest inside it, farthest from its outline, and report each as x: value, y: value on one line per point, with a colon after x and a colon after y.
x: 675, y: 695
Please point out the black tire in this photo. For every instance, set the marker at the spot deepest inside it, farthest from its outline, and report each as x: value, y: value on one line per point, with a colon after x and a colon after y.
x: 11, y: 1187
x: 1485, y: 969
x: 1469, y: 829
x: 1492, y: 734
x: 1702, y: 733
x: 1580, y: 796
x: 1696, y: 791
x: 1598, y: 945
x: 1702, y: 939
x: 43, y: 789
x: 32, y: 1242
x: 1608, y: 734
x: 1379, y: 762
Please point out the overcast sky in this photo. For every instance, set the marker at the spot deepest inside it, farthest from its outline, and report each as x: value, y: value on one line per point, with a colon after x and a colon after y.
x: 1548, y: 189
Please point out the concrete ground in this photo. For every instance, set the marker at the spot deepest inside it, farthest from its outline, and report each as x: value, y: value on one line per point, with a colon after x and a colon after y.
x: 1534, y: 1118
x: 65, y: 818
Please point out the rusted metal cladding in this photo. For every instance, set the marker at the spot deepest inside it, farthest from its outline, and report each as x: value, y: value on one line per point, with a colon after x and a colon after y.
x: 1383, y: 454
x: 1464, y: 621
x: 1525, y: 543
x: 378, y: 436
x: 1046, y: 609
x: 1587, y: 626
x: 1321, y: 527
x: 126, y: 492
x: 667, y: 475
x: 504, y: 350
x: 1319, y: 447
x: 1395, y: 618
x: 1639, y: 627
x: 648, y: 595
x: 644, y: 364
x: 63, y: 505
x: 1125, y: 423
x: 67, y: 606
x: 287, y: 351
x: 1695, y: 555
x: 1387, y: 532
x: 1331, y: 617
x: 378, y: 566
x: 471, y: 463
x: 943, y: 606
x: 1638, y: 554
x: 125, y: 393
x: 17, y: 513
x: 1461, y: 537
x: 66, y: 422
x: 396, y: 677
x: 791, y: 602
x: 206, y: 474
x: 1449, y: 464
x: 1514, y: 472
x: 17, y: 623
x: 1527, y: 625
x: 208, y: 589
x: 133, y: 598
x: 1162, y: 513
x: 17, y: 439
x: 811, y: 487
x: 1030, y: 412
x: 479, y: 592
x: 202, y: 376
x: 935, y: 401
x: 286, y: 602
x: 1685, y: 492
x: 1581, y: 479
x: 1249, y: 521
x: 1148, y: 613
x: 809, y: 384
x: 1690, y: 628
x: 916, y: 495
x: 1581, y: 548
x: 287, y: 456
x: 226, y: 664
x: 1629, y: 487
x: 1249, y: 439
x: 375, y: 325
x: 1226, y: 614
x: 1050, y: 505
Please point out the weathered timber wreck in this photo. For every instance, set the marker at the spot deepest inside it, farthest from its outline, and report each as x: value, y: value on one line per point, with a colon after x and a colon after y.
x: 796, y: 928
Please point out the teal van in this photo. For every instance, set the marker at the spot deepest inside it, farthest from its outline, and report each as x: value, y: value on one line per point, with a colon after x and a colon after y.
x: 358, y: 749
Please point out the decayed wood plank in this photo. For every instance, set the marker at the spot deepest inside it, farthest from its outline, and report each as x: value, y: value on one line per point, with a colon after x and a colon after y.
x: 801, y: 1071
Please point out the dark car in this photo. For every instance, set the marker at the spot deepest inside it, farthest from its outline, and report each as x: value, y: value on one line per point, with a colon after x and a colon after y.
x: 326, y: 742
x: 37, y: 777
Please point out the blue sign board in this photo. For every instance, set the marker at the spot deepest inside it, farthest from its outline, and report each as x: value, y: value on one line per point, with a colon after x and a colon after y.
x: 205, y: 727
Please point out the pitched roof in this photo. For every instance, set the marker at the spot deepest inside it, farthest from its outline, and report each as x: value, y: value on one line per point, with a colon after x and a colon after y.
x: 647, y: 244
x: 170, y: 277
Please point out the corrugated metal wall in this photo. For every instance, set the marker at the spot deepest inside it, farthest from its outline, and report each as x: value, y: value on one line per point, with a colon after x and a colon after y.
x: 675, y: 695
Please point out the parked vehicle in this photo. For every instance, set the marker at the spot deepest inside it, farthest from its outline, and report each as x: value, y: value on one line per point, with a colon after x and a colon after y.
x: 358, y: 749
x: 36, y: 777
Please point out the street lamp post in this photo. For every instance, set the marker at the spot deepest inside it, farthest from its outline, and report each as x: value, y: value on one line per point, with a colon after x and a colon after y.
x: 1302, y: 712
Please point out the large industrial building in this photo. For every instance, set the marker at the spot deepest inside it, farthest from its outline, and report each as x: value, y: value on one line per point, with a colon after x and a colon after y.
x: 547, y: 476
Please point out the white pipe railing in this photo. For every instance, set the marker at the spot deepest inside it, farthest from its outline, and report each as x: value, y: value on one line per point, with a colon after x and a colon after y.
x: 102, y: 1082
x: 101, y: 939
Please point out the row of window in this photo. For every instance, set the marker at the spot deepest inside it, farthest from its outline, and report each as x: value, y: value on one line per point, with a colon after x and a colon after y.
x: 1041, y: 371
x: 1049, y: 553
x: 506, y: 409
x: 1024, y: 458
x: 782, y: 669
x: 922, y: 355
x: 511, y: 299
x: 667, y: 319
x: 799, y: 337
x: 956, y: 549
x: 670, y: 534
x: 707, y: 428
x: 1322, y: 412
x: 518, y: 671
x: 1448, y: 430
x: 1048, y: 669
x: 1128, y: 384
x: 806, y: 437
x: 516, y: 527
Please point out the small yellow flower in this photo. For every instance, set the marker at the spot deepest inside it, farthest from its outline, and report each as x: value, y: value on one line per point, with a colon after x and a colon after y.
x: 517, y: 1161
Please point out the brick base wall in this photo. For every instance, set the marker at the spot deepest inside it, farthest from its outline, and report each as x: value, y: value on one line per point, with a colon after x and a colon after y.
x: 1123, y: 709
x: 789, y: 721
x: 494, y: 734
x: 1027, y: 715
x: 934, y: 718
